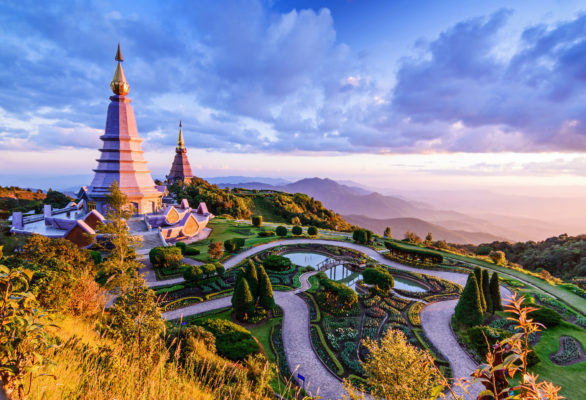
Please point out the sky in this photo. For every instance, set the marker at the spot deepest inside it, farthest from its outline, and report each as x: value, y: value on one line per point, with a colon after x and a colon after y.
x: 392, y: 94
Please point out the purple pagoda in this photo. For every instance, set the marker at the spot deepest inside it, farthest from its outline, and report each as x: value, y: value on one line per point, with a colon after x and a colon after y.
x: 180, y: 170
x: 121, y: 157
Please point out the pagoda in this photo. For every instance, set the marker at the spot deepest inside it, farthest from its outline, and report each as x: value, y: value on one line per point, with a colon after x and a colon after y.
x: 180, y: 170
x: 121, y: 156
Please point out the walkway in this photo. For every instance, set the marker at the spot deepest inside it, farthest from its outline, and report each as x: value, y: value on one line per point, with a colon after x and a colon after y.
x: 435, y: 319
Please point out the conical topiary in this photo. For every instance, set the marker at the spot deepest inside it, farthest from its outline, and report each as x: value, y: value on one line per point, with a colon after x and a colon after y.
x: 252, y: 278
x: 468, y: 311
x: 478, y: 276
x: 486, y: 291
x: 495, y: 292
x: 265, y: 290
x: 242, y: 300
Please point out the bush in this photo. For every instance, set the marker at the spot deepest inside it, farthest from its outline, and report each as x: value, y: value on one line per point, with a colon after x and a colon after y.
x: 363, y: 236
x: 219, y: 268
x: 209, y: 269
x: 312, y: 231
x: 380, y: 277
x: 193, y: 274
x: 190, y: 251
x: 232, y: 341
x: 546, y: 316
x: 281, y: 231
x: 483, y: 250
x: 493, y: 335
x: 165, y: 257
x: 266, y: 233
x: 296, y: 230
x: 95, y: 255
x: 338, y: 294
x: 229, y: 246
x: 276, y: 263
x: 257, y: 220
x: 182, y: 246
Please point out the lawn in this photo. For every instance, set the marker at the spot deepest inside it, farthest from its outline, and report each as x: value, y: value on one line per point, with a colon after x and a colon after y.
x: 571, y: 377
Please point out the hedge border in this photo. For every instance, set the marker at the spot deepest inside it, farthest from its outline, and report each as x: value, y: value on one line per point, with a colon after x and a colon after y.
x: 329, y: 352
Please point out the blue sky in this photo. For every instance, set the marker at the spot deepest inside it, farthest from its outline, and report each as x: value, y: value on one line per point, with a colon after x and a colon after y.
x: 470, y: 91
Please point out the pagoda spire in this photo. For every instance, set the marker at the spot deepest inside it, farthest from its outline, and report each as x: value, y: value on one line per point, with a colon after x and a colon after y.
x: 180, y: 141
x: 119, y: 85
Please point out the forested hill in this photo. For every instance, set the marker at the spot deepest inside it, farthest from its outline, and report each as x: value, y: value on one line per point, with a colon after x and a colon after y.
x: 563, y: 256
x: 272, y: 205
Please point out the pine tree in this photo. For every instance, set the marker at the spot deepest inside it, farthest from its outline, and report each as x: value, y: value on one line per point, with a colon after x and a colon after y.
x: 495, y: 292
x: 252, y: 277
x: 486, y: 291
x: 265, y: 290
x: 478, y: 276
x: 242, y: 300
x: 468, y: 309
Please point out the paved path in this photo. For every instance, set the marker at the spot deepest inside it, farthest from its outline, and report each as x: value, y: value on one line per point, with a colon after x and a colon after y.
x: 296, y: 319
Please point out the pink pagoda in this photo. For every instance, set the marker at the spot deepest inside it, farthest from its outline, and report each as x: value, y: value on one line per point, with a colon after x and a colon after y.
x: 180, y: 170
x: 121, y: 157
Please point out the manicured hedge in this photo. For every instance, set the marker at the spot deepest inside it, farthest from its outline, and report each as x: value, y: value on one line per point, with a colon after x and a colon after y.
x: 414, y: 255
x: 296, y: 230
x: 165, y: 257
x: 266, y: 233
x: 276, y: 263
x: 281, y: 231
x: 232, y: 341
x: 324, y: 352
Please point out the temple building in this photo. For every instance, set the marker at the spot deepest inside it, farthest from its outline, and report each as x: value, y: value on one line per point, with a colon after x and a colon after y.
x: 180, y: 170
x: 121, y: 156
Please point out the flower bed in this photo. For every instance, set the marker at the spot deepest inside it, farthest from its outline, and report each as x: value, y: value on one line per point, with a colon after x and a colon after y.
x: 570, y: 352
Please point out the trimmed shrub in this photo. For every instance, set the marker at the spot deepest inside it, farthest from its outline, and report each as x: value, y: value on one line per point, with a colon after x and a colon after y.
x: 257, y: 220
x: 379, y: 277
x: 239, y: 242
x: 208, y: 269
x: 265, y: 290
x: 166, y: 257
x: 363, y: 236
x: 95, y: 255
x: 296, y: 230
x: 478, y: 275
x: 266, y: 233
x: 193, y: 274
x: 495, y: 292
x: 486, y: 291
x: 338, y: 294
x: 276, y: 263
x: 229, y: 246
x: 190, y: 251
x: 232, y: 341
x: 182, y: 246
x: 219, y: 268
x: 281, y: 231
x: 242, y: 300
x: 468, y: 310
x: 251, y: 276
x: 312, y: 231
x: 546, y: 316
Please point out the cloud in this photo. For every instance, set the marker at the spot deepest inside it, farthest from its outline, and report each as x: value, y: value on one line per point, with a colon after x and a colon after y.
x: 245, y: 78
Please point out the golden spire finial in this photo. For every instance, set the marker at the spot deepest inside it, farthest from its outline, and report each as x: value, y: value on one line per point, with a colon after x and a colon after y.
x: 119, y: 85
x: 180, y: 141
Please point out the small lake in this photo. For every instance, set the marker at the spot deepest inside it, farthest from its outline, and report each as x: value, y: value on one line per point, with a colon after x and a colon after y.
x: 342, y: 274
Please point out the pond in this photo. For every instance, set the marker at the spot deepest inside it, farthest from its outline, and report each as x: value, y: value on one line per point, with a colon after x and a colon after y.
x: 342, y: 274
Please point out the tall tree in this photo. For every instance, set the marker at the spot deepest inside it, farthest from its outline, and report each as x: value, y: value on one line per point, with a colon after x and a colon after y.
x: 486, y: 291
x: 265, y: 289
x: 387, y: 233
x: 495, y: 292
x: 121, y: 262
x: 468, y: 310
x: 478, y: 275
x: 252, y: 277
x: 429, y: 238
x: 242, y: 300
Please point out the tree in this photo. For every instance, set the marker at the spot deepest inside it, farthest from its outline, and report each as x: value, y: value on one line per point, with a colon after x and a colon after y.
x: 120, y: 264
x: 215, y: 250
x: 56, y: 199
x: 379, y: 277
x: 242, y: 300
x: 412, y: 238
x: 312, y: 231
x: 478, y: 275
x: 257, y: 220
x: 429, y: 238
x: 468, y: 310
x: 265, y: 290
x: 252, y: 278
x: 281, y: 231
x: 498, y: 257
x: 136, y: 318
x: 387, y: 233
x: 495, y: 292
x: 486, y: 291
x: 296, y: 230
x: 395, y: 369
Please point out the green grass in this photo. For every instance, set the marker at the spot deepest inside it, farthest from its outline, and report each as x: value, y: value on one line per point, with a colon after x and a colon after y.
x: 570, y: 378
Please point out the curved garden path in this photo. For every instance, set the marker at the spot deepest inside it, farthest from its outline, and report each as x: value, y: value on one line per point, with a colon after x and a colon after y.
x: 435, y: 319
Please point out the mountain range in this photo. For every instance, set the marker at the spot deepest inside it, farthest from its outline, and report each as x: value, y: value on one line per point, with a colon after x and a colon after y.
x: 375, y: 211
